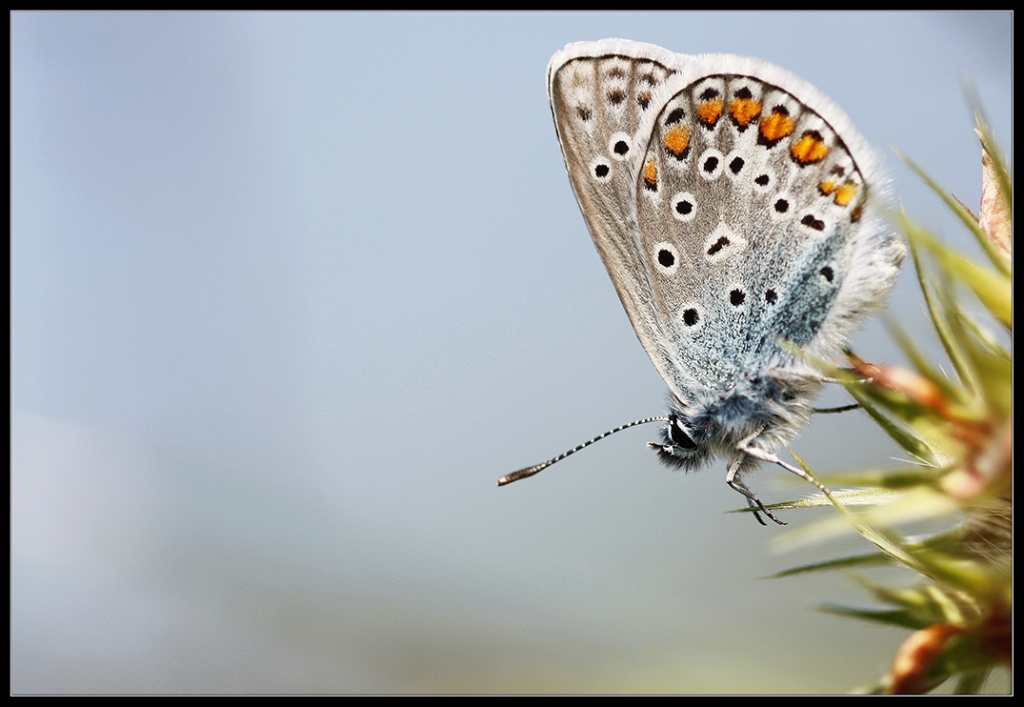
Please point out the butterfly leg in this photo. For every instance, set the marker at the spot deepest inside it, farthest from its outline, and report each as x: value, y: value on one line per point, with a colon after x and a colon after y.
x: 747, y: 448
x: 841, y: 408
x: 753, y: 501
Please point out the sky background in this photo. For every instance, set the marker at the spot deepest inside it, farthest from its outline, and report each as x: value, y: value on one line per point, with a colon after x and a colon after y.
x: 291, y: 291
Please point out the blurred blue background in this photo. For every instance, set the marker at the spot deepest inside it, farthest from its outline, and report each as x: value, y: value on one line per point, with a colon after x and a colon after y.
x: 291, y: 291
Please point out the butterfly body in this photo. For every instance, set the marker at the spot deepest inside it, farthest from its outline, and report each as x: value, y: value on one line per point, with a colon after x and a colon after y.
x: 732, y: 206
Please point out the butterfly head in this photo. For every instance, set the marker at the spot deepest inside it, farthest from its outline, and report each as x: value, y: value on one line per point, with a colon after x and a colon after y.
x: 771, y: 408
x: 682, y: 444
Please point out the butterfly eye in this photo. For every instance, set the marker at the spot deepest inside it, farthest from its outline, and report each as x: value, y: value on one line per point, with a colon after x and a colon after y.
x: 680, y: 437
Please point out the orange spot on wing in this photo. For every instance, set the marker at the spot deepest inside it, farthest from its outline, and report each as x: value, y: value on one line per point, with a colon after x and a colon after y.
x: 709, y: 112
x: 810, y: 148
x: 744, y: 111
x: 845, y: 194
x: 677, y: 140
x: 776, y: 126
x: 651, y: 174
x: 827, y: 188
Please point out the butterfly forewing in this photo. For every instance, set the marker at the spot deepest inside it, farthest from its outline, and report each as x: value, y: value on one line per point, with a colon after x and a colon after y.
x: 604, y: 107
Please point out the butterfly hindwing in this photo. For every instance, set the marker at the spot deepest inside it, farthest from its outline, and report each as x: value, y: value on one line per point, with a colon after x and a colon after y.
x: 747, y: 204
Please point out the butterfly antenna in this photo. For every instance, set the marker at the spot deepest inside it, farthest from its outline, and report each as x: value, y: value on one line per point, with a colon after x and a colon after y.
x: 531, y: 470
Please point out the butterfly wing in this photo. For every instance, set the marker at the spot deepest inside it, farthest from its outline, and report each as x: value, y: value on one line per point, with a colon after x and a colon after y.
x: 604, y: 96
x: 729, y: 202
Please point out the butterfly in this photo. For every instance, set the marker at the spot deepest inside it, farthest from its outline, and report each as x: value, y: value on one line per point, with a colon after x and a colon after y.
x: 734, y: 208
